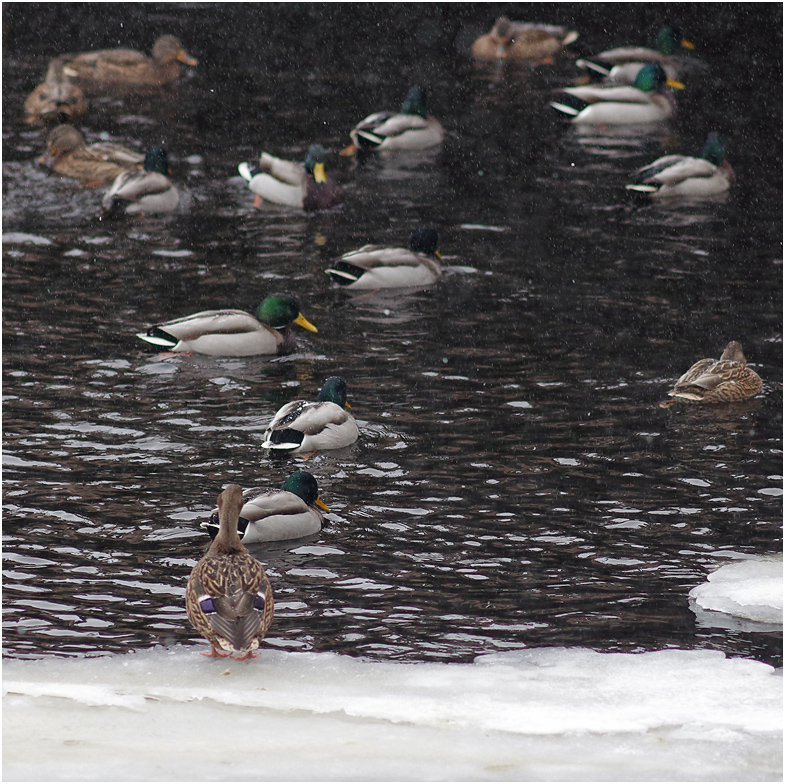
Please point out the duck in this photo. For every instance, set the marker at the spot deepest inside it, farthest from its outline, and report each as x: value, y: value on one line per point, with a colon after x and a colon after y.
x: 233, y: 333
x: 379, y: 267
x: 128, y: 67
x: 681, y: 175
x: 412, y: 128
x: 723, y: 380
x: 621, y: 65
x: 143, y: 190
x: 303, y: 426
x: 522, y: 41
x: 292, y: 184
x: 228, y: 597
x: 642, y: 102
x: 277, y: 515
x: 56, y: 99
x: 71, y: 157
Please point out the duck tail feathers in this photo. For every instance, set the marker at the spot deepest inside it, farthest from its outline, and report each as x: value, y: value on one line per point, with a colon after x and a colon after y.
x: 284, y: 440
x: 344, y: 273
x: 641, y: 188
x: 158, y: 337
x: 249, y: 171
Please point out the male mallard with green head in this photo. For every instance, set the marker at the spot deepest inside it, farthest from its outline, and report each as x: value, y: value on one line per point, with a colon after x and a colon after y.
x: 291, y: 512
x: 305, y: 426
x: 621, y: 65
x: 143, y: 190
x: 381, y: 267
x: 303, y: 185
x: 644, y: 101
x: 233, y: 333
x: 681, y: 175
x: 412, y: 128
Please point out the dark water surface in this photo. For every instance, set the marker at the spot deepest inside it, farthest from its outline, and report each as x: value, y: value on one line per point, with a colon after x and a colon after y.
x: 515, y: 482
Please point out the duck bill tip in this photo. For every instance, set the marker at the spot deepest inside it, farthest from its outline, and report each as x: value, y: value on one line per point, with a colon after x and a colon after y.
x: 673, y: 83
x: 303, y: 322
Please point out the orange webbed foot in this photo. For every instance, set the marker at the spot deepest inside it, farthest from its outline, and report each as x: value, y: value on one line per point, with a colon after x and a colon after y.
x: 214, y: 652
x: 248, y: 655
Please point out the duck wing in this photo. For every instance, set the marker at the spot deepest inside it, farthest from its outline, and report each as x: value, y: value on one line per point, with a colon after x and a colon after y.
x: 234, y: 595
x: 206, y: 322
x: 673, y: 169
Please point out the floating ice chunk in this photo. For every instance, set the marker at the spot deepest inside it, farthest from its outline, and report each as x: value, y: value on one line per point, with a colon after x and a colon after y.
x: 750, y: 589
x: 20, y: 238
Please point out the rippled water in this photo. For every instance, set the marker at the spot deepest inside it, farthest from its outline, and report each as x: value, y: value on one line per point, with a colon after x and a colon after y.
x: 516, y: 482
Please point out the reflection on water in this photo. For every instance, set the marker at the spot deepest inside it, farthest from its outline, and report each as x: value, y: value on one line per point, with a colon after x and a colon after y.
x: 515, y: 482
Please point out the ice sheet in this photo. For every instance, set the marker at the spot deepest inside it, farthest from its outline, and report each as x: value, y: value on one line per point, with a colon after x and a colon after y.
x: 538, y: 714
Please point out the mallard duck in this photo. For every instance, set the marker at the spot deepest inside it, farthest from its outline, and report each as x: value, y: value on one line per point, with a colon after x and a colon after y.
x: 410, y: 129
x: 292, y: 184
x: 278, y: 515
x: 621, y: 65
x: 228, y: 598
x: 723, y: 380
x: 680, y: 175
x: 378, y: 267
x: 642, y: 102
x: 71, y: 157
x: 233, y: 333
x: 522, y: 41
x: 143, y: 190
x: 301, y: 426
x: 129, y: 67
x: 56, y: 99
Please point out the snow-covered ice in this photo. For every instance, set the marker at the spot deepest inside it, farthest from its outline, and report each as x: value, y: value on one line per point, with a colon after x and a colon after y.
x: 534, y: 714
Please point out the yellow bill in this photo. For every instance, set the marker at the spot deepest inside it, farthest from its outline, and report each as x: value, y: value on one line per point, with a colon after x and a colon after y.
x: 304, y: 323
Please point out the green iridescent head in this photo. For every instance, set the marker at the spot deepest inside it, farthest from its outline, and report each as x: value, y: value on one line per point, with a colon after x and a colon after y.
x: 281, y: 310
x: 414, y: 103
x: 333, y: 391
x: 669, y: 40
x: 714, y: 150
x: 303, y: 485
x: 156, y: 159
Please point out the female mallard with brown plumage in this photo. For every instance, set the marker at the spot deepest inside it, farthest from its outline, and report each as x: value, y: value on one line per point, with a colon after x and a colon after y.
x: 228, y: 598
x: 522, y: 41
x: 71, y: 157
x: 129, y: 67
x: 56, y: 99
x: 723, y: 380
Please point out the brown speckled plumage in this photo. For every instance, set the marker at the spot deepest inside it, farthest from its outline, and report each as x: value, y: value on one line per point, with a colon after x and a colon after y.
x: 228, y: 598
x: 129, y: 67
x: 723, y: 380
x: 101, y: 162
